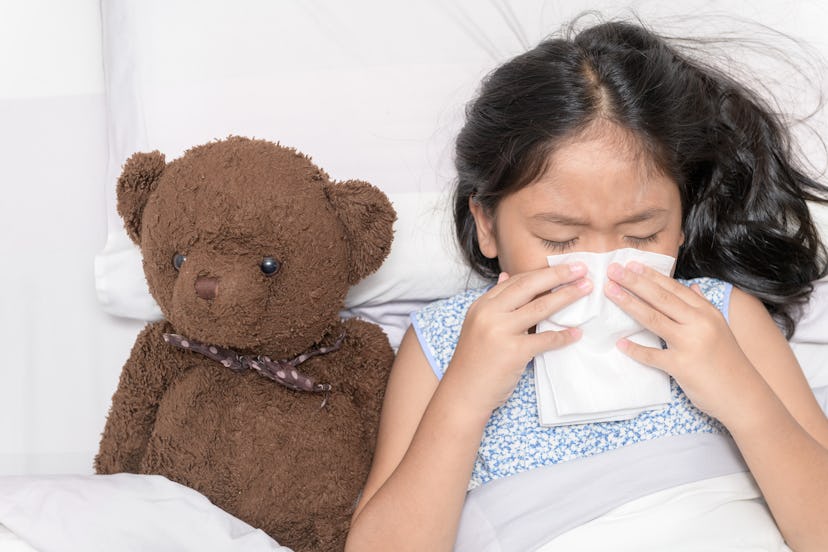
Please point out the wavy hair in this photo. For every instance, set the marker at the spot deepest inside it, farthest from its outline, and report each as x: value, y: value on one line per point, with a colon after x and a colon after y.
x: 744, y: 210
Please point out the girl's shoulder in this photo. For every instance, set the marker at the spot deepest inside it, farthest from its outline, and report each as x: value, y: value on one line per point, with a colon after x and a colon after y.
x: 449, y: 306
x: 438, y: 325
x: 716, y: 291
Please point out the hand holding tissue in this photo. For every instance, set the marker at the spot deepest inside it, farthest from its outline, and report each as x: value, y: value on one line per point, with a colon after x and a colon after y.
x: 591, y: 380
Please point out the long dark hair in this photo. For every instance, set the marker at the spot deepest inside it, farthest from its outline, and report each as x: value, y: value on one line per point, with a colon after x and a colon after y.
x: 743, y: 196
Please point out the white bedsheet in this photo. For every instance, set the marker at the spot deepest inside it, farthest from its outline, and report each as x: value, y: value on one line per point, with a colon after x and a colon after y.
x: 9, y: 542
x: 123, y: 512
x: 725, y: 514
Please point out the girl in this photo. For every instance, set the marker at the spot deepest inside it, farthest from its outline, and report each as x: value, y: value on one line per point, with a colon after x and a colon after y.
x: 607, y: 140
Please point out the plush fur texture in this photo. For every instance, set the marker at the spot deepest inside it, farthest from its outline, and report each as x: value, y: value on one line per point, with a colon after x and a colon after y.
x: 273, y: 457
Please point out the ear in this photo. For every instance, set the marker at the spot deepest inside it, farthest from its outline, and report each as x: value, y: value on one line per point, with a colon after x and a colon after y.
x: 368, y: 219
x: 484, y: 225
x: 135, y: 185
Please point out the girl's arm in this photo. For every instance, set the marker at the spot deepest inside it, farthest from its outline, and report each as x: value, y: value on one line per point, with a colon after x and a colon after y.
x: 780, y: 429
x: 427, y: 441
x: 430, y: 432
x: 746, y: 376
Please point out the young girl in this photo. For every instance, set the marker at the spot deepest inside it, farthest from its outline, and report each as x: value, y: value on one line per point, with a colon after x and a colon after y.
x: 608, y: 140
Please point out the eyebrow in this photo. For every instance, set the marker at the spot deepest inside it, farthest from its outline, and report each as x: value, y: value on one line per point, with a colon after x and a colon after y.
x: 566, y: 220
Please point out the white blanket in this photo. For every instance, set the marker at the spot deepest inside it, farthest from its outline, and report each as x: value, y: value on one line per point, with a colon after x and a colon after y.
x: 525, y: 511
x: 725, y: 514
x: 123, y: 512
x: 9, y: 542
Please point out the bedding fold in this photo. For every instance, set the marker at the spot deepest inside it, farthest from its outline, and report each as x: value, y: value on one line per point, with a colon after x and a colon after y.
x: 89, y: 513
x: 523, y: 512
x: 725, y: 514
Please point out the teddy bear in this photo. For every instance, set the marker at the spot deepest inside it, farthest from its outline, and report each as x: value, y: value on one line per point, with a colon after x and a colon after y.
x: 252, y: 390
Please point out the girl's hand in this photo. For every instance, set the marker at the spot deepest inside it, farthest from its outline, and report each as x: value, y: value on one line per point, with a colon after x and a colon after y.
x: 702, y: 354
x: 495, y: 343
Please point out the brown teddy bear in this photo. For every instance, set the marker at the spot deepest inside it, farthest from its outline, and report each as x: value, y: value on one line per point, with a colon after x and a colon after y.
x: 253, y: 391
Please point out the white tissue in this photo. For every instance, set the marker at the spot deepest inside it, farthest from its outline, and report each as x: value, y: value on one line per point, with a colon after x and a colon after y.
x: 591, y: 380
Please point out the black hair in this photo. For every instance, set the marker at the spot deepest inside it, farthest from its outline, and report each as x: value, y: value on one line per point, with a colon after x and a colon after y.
x: 744, y: 211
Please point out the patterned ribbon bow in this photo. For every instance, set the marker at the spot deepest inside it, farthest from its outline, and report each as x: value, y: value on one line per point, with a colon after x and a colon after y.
x: 280, y: 371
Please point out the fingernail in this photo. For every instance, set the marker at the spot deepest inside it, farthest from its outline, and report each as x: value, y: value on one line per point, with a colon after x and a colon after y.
x: 638, y: 268
x: 622, y: 344
x: 501, y: 277
x: 614, y: 289
x: 615, y: 270
x: 574, y: 333
x: 583, y: 284
x: 577, y: 268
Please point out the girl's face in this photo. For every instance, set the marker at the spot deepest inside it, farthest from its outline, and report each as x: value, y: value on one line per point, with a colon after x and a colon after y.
x: 597, y: 196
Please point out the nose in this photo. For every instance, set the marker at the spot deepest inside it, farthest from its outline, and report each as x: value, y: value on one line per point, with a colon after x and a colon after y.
x: 601, y: 243
x: 206, y: 287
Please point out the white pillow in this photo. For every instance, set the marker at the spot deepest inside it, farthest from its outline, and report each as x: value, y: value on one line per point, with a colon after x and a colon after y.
x: 367, y: 97
x: 424, y: 265
x: 371, y: 90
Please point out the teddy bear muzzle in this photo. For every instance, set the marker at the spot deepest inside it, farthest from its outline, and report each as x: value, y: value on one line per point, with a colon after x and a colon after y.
x: 206, y: 287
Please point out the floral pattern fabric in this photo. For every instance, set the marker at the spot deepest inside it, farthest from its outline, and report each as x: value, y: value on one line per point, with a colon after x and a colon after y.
x: 514, y: 441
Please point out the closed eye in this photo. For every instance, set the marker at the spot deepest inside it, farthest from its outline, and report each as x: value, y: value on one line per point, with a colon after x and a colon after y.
x: 560, y: 246
x: 637, y: 242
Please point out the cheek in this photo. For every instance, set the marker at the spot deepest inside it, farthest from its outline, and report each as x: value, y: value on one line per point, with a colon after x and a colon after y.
x: 522, y: 253
x: 671, y: 243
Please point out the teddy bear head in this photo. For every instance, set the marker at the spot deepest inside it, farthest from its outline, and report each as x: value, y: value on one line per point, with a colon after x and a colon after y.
x: 247, y: 244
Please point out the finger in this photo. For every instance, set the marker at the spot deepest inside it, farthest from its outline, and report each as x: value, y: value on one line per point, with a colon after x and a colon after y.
x: 549, y: 340
x: 519, y: 289
x: 547, y: 304
x: 660, y: 296
x: 641, y: 311
x: 644, y: 355
x: 669, y: 283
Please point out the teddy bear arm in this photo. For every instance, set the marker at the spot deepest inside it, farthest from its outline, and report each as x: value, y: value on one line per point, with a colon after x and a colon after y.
x: 143, y: 381
x: 373, y: 367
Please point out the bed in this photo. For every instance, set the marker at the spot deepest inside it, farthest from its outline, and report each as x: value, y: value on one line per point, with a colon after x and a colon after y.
x: 101, y: 80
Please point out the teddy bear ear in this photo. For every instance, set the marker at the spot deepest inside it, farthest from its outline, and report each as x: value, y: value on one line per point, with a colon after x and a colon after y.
x: 368, y: 218
x: 135, y: 185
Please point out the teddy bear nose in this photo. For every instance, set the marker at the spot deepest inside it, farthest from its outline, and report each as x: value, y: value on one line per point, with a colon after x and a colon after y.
x: 206, y: 287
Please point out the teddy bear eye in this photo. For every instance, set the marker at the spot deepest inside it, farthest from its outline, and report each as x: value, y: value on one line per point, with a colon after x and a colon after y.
x: 178, y: 260
x: 270, y: 266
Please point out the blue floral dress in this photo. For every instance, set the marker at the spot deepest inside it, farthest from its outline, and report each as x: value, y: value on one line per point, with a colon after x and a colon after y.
x: 514, y: 441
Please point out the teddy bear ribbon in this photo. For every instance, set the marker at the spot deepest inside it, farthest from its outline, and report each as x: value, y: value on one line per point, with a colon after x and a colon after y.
x: 280, y: 371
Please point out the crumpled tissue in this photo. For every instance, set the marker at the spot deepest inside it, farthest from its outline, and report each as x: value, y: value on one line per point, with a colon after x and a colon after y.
x: 591, y: 380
